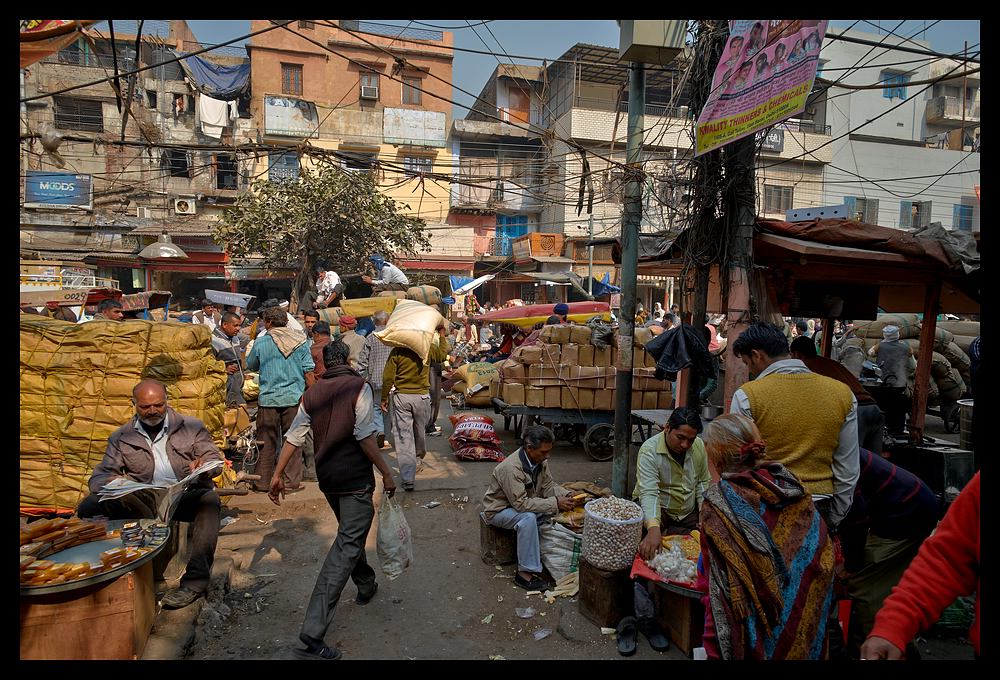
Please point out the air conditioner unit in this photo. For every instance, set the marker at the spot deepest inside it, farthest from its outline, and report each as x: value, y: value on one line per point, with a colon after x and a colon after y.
x: 369, y: 92
x: 185, y: 206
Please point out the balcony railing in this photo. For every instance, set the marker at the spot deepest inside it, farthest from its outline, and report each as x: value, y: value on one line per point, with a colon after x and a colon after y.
x: 70, y: 280
x: 391, y: 31
x: 950, y: 109
x: 805, y: 126
x: 652, y: 109
x: 501, y: 246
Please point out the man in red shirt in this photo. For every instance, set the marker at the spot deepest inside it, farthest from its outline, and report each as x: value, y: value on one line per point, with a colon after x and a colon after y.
x: 947, y: 566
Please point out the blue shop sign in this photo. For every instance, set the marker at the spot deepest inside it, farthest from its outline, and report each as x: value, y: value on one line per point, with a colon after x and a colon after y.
x: 58, y: 190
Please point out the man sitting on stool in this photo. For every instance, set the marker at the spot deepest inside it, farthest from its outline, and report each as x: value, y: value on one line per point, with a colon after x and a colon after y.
x: 671, y: 477
x: 160, y: 446
x: 522, y: 492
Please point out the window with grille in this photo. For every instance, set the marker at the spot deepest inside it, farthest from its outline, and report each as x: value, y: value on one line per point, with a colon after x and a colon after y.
x: 291, y: 79
x: 914, y: 213
x: 895, y: 84
x: 78, y: 114
x: 777, y: 199
x: 282, y: 165
x: 177, y: 162
x: 225, y: 171
x: 411, y: 91
x: 418, y: 164
x: 963, y: 217
x: 307, y: 24
x: 862, y: 209
x: 528, y: 292
x: 352, y: 161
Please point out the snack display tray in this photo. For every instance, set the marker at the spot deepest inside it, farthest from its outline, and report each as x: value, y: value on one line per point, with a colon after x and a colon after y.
x: 91, y: 552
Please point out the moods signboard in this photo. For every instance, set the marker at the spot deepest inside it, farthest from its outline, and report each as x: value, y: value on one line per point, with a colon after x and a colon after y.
x: 58, y: 190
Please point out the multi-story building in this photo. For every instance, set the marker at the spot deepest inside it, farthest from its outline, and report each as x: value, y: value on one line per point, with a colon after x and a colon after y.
x: 906, y: 154
x: 376, y: 95
x: 499, y: 191
x: 158, y: 173
x: 584, y: 103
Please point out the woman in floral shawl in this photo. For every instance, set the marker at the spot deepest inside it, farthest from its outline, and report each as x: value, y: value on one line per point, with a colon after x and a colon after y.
x: 767, y: 563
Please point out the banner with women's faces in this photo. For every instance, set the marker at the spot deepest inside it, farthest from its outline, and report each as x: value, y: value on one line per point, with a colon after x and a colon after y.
x: 765, y: 74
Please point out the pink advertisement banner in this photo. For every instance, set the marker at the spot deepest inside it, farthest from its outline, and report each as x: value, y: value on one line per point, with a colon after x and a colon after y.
x: 765, y: 74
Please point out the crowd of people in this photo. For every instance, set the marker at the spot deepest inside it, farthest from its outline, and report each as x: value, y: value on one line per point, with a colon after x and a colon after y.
x: 793, y: 500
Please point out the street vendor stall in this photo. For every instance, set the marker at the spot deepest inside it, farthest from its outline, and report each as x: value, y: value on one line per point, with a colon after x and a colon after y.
x: 100, y: 579
x: 842, y: 269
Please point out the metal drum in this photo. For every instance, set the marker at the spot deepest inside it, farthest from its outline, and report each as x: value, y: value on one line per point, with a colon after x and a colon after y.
x: 965, y: 424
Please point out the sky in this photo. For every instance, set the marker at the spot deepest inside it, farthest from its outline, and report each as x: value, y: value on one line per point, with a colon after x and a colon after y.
x: 549, y: 39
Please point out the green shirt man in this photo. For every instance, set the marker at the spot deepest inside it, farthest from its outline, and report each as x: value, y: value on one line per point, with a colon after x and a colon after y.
x: 671, y: 476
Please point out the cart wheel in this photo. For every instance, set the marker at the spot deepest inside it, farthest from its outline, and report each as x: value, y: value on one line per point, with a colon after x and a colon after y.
x: 952, y: 418
x: 599, y: 442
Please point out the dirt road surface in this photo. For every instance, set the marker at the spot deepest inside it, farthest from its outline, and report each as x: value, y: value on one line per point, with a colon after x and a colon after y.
x: 448, y: 605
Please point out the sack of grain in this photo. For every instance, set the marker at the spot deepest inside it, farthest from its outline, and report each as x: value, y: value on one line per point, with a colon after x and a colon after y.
x: 460, y: 387
x: 429, y: 295
x: 969, y: 328
x: 908, y: 324
x: 939, y: 366
x: 477, y: 373
x: 952, y: 386
x: 964, y: 341
x: 412, y: 325
x: 398, y: 294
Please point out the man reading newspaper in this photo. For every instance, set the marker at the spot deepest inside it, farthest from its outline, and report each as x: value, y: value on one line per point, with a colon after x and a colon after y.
x: 155, y: 454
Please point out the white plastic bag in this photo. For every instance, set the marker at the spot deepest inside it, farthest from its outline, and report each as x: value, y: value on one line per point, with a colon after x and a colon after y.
x: 560, y: 549
x: 395, y: 549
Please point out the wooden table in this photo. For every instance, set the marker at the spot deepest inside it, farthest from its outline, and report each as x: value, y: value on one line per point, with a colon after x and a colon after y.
x: 681, y: 615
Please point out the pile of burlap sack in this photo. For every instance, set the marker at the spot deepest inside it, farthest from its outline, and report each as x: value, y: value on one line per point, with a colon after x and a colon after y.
x: 76, y: 385
x: 950, y: 364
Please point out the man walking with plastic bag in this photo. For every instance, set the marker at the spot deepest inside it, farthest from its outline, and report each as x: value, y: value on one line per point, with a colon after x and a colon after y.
x: 339, y: 409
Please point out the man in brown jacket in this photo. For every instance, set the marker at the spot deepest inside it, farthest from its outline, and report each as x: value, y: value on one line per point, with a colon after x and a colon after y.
x: 160, y: 446
x: 521, y: 492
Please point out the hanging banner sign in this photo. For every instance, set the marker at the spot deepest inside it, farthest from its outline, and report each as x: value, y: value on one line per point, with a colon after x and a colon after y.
x: 765, y: 75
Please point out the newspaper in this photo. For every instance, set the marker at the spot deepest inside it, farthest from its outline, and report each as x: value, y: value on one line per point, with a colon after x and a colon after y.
x: 152, y: 500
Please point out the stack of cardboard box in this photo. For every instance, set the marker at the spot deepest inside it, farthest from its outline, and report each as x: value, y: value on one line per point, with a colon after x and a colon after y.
x: 566, y: 371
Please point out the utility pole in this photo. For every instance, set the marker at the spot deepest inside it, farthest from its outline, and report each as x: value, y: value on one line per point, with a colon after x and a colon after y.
x: 590, y: 254
x: 630, y: 259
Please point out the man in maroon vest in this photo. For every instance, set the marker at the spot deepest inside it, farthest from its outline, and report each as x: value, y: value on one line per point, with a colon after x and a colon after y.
x: 339, y: 410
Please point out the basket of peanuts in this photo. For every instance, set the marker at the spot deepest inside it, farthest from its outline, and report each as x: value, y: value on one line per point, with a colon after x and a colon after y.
x: 612, y: 529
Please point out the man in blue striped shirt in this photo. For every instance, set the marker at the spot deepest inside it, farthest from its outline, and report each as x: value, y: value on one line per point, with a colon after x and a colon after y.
x: 282, y: 357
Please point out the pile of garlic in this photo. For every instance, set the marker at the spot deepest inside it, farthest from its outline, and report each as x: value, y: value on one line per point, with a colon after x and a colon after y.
x: 671, y: 564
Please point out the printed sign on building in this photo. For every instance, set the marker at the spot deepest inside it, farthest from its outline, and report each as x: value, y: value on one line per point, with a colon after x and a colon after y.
x: 774, y: 140
x: 765, y: 74
x: 290, y: 117
x: 67, y: 190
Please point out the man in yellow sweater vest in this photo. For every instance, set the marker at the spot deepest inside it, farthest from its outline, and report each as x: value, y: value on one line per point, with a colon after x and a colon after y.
x: 411, y: 402
x: 809, y: 421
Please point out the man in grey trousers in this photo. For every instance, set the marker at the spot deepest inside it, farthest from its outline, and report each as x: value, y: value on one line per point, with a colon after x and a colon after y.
x: 339, y: 410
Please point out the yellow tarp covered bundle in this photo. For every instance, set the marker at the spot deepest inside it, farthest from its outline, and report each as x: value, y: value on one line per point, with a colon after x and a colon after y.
x: 76, y: 385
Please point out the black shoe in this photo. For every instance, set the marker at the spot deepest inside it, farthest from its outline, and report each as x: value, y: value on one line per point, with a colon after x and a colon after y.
x: 365, y: 599
x: 534, y: 583
x: 323, y: 653
x: 407, y: 486
x: 651, y: 629
x: 626, y: 634
x: 180, y: 598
